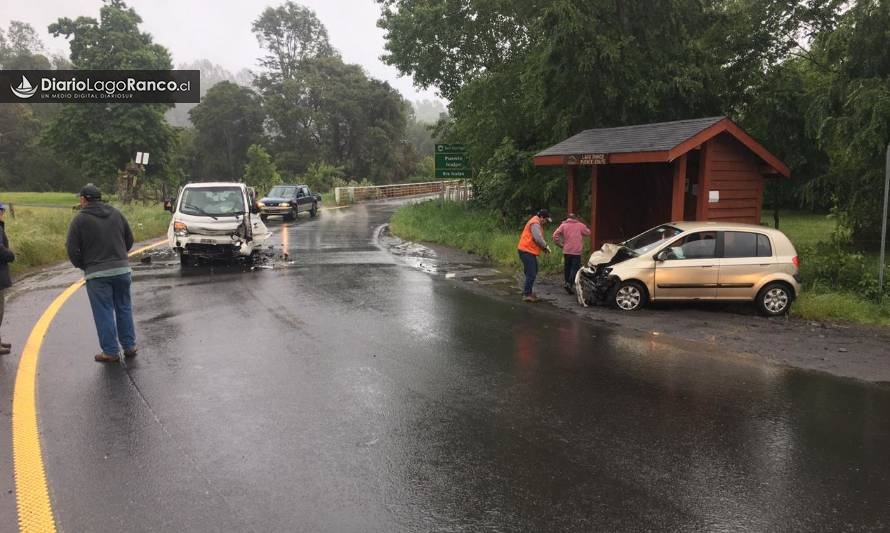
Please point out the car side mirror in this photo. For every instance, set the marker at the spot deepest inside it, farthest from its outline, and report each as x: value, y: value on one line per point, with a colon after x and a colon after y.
x: 663, y: 255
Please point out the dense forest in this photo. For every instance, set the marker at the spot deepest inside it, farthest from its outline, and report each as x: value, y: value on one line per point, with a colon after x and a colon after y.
x: 810, y: 79
x: 303, y: 113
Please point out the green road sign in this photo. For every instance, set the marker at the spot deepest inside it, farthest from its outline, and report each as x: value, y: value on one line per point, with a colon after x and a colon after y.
x: 452, y: 161
x: 455, y: 174
x: 451, y: 148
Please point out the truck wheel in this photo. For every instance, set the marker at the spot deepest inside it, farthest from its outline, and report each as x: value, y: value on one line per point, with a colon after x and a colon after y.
x: 313, y: 211
x: 629, y: 296
x: 187, y: 261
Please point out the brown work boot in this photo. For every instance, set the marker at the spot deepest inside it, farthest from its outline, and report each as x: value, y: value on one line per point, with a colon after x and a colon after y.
x: 131, y: 352
x: 105, y: 358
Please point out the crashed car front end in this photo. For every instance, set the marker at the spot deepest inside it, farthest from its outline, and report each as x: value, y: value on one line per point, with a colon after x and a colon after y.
x: 221, y: 240
x: 595, y: 280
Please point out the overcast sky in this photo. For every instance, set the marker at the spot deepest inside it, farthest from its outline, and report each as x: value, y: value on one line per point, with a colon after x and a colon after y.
x: 220, y: 30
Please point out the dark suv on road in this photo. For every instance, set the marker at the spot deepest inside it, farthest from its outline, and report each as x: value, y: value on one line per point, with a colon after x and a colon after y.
x: 289, y: 201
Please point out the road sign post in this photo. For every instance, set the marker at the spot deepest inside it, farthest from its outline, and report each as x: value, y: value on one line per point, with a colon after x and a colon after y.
x: 884, y: 227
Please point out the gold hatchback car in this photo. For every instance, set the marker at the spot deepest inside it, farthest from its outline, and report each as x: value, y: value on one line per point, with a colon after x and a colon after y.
x: 684, y: 261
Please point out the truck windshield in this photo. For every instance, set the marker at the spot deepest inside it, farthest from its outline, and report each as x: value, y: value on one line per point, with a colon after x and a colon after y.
x: 282, y: 192
x: 644, y: 242
x: 212, y: 201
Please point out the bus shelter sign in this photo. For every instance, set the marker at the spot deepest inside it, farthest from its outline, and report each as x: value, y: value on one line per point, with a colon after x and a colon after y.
x: 587, y: 159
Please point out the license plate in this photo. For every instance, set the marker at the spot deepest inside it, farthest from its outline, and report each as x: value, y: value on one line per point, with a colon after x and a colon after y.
x: 208, y: 241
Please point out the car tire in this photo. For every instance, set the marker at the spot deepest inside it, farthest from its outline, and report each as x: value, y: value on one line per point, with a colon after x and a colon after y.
x: 774, y: 299
x: 313, y: 211
x: 629, y: 296
x: 264, y: 218
x: 292, y: 214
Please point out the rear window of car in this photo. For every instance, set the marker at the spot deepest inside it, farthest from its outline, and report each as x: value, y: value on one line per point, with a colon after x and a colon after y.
x: 764, y: 248
x: 746, y: 244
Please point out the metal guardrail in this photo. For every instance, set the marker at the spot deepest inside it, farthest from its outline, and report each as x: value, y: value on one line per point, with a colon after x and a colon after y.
x: 456, y: 190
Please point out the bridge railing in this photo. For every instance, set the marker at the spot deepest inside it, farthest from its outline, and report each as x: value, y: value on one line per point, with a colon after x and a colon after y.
x: 456, y: 190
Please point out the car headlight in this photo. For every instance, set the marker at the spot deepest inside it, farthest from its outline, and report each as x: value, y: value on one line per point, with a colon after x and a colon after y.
x: 260, y: 204
x: 180, y: 229
x: 285, y: 204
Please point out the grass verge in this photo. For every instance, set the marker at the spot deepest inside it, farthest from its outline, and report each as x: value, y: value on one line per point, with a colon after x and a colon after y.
x: 481, y: 233
x: 471, y: 230
x: 37, y: 234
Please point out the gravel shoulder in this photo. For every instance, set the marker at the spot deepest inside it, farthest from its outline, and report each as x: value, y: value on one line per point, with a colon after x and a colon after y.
x: 844, y: 350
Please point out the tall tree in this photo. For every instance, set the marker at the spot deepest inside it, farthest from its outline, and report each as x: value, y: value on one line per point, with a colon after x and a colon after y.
x: 290, y: 34
x: 227, y: 122
x: 524, y: 74
x: 101, y: 139
x: 321, y: 109
x: 850, y: 115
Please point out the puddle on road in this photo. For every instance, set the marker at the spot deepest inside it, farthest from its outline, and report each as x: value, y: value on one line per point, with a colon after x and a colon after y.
x: 454, y: 265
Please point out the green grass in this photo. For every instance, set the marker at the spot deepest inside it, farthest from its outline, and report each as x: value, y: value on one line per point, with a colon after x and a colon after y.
x: 841, y: 307
x: 474, y: 231
x: 67, y: 199
x: 804, y: 229
x: 37, y: 234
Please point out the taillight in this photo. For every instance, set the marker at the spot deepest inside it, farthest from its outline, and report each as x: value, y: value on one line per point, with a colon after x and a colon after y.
x: 796, y: 261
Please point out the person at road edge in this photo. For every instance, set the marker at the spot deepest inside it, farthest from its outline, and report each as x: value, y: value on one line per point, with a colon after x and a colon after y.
x: 570, y: 237
x: 531, y: 244
x: 98, y: 240
x: 6, y: 257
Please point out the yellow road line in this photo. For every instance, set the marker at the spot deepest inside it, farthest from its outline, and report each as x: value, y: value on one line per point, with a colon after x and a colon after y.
x: 31, y: 493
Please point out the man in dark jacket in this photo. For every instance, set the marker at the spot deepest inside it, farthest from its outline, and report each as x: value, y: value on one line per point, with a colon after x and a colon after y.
x: 6, y: 257
x: 99, y: 238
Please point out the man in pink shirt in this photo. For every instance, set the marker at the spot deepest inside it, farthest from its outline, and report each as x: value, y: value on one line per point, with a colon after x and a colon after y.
x: 570, y: 237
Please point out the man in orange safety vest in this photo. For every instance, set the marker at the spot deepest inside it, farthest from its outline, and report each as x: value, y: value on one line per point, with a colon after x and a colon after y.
x: 531, y: 244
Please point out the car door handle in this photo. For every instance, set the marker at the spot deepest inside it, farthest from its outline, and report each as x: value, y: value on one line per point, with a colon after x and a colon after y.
x: 707, y: 266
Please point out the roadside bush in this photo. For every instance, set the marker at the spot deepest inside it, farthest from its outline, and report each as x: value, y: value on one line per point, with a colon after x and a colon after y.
x: 834, y: 266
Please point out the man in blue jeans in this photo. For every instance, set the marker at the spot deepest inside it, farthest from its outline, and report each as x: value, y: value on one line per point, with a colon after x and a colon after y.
x: 98, y: 240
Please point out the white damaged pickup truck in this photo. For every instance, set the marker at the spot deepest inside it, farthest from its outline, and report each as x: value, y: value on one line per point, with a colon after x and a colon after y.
x: 216, y: 221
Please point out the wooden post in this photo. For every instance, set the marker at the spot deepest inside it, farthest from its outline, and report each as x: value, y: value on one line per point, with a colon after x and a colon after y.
x: 679, y: 191
x: 572, y: 172
x: 594, y: 184
x: 704, y: 181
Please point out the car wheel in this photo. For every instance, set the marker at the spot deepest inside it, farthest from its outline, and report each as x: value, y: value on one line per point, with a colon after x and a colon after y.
x: 774, y: 299
x: 629, y: 296
x: 291, y: 215
x: 264, y: 218
x: 313, y: 211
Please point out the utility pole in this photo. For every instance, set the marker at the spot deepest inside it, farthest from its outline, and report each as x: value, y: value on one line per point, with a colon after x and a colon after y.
x: 884, y: 226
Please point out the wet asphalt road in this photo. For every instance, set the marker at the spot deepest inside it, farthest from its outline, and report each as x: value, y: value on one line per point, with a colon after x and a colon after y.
x: 345, y: 390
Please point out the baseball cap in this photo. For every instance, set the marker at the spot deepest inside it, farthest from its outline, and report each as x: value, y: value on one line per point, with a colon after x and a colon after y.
x: 2, y: 206
x: 545, y: 213
x: 91, y: 191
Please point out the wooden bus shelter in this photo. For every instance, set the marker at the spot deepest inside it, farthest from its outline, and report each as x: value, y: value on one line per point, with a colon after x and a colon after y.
x: 645, y: 175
